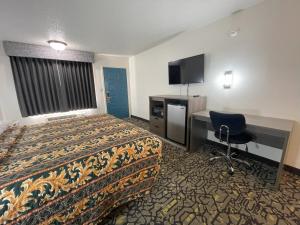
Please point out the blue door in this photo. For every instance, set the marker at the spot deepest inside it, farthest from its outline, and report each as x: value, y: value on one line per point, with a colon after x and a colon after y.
x: 115, y: 82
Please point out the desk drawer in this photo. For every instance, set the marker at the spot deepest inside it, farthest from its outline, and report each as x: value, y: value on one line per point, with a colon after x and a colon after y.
x: 157, y: 126
x: 157, y: 120
x: 157, y: 130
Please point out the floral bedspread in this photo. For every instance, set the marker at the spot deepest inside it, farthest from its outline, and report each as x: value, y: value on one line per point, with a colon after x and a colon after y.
x: 75, y: 171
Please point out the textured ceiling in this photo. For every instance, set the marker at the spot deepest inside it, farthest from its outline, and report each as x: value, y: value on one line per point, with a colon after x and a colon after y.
x: 124, y: 27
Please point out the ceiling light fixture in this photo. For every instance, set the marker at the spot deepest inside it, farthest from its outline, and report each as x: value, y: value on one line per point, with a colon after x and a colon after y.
x: 57, y: 45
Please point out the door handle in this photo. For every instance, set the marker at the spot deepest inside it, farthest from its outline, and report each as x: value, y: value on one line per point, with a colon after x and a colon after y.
x: 108, y: 97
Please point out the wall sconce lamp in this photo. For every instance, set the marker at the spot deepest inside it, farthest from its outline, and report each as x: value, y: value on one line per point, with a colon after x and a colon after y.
x: 228, y: 79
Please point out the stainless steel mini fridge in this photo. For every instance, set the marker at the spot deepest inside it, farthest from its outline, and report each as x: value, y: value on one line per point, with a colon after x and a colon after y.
x: 176, y: 123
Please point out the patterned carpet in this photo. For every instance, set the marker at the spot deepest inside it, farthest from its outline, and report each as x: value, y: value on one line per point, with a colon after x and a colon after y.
x: 189, y: 190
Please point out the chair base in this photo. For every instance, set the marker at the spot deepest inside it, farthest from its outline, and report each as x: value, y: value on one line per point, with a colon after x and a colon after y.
x: 229, y: 159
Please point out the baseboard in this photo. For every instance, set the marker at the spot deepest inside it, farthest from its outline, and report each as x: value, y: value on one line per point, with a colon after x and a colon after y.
x: 139, y: 118
x: 270, y: 162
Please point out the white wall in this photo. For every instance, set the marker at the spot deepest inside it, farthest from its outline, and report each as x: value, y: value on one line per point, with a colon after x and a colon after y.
x: 9, y: 108
x: 265, y: 58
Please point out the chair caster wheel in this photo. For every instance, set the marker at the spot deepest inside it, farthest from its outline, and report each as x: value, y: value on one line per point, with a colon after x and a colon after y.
x: 231, y: 171
x: 234, y: 154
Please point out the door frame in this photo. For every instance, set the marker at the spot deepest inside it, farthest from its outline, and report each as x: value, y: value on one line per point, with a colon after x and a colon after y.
x: 104, y: 91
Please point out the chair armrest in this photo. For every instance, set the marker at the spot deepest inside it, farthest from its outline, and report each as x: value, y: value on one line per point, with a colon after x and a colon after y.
x: 227, y: 133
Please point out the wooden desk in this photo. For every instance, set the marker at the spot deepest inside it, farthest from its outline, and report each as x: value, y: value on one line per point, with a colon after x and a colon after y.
x: 268, y: 131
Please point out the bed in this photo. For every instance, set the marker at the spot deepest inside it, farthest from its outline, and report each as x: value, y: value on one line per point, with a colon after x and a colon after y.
x: 74, y: 171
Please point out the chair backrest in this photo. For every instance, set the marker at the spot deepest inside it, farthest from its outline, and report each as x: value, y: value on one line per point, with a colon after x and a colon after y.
x: 235, y: 122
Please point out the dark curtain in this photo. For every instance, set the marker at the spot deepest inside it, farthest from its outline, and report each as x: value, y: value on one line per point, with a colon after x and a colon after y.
x: 48, y: 86
x: 37, y: 85
x: 78, y: 83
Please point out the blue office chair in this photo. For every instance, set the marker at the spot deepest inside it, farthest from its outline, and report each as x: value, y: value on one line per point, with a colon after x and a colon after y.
x: 230, y: 128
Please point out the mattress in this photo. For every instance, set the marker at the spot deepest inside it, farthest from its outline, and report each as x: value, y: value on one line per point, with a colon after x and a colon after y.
x: 74, y: 171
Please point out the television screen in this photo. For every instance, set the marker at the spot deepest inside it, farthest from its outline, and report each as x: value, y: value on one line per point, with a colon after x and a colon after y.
x: 175, y: 72
x: 187, y: 71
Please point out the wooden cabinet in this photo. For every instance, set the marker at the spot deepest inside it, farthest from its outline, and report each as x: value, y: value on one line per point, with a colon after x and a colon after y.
x: 157, y: 116
x: 158, y: 111
x: 157, y: 126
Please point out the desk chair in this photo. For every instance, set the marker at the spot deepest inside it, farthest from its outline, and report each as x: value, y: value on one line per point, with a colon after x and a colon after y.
x: 230, y: 128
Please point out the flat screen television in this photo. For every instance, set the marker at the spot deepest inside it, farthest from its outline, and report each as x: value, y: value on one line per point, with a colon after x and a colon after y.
x: 187, y: 71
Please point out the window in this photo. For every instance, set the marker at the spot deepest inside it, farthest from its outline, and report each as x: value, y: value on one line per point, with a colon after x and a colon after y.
x: 48, y: 86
